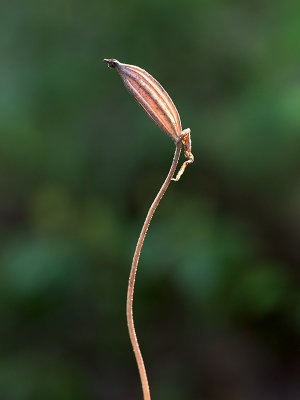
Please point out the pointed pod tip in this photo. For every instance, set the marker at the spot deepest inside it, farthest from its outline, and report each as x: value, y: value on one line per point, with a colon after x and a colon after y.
x: 112, y: 63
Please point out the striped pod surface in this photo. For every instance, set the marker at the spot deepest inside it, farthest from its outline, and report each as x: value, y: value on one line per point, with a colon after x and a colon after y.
x: 153, y: 98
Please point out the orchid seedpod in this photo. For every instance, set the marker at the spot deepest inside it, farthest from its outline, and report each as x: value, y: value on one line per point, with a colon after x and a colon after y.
x: 153, y: 98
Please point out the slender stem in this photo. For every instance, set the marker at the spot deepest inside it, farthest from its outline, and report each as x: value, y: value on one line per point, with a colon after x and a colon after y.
x: 130, y: 322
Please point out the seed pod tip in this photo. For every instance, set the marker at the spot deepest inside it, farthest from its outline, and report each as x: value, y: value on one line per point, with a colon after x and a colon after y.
x: 112, y: 63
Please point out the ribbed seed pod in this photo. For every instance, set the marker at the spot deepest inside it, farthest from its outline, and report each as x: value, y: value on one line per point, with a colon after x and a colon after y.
x: 151, y: 96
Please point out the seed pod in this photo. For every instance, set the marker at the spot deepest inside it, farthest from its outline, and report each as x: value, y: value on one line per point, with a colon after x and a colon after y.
x: 151, y: 96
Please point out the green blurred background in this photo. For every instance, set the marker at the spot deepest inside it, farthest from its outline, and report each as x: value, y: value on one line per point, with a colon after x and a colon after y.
x: 217, y: 305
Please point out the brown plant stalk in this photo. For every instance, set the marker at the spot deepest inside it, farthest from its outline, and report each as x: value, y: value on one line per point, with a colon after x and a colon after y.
x: 157, y: 103
x: 130, y: 322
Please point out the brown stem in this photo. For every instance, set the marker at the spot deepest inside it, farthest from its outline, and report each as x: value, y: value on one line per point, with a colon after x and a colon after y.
x: 130, y: 322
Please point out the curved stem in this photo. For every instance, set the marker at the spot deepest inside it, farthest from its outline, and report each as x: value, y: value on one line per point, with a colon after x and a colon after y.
x: 130, y: 322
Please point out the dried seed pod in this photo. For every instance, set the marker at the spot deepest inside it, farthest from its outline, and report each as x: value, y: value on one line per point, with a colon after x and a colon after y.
x: 153, y: 98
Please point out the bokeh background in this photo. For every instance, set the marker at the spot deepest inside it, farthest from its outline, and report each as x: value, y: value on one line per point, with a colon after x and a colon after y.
x: 217, y: 305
